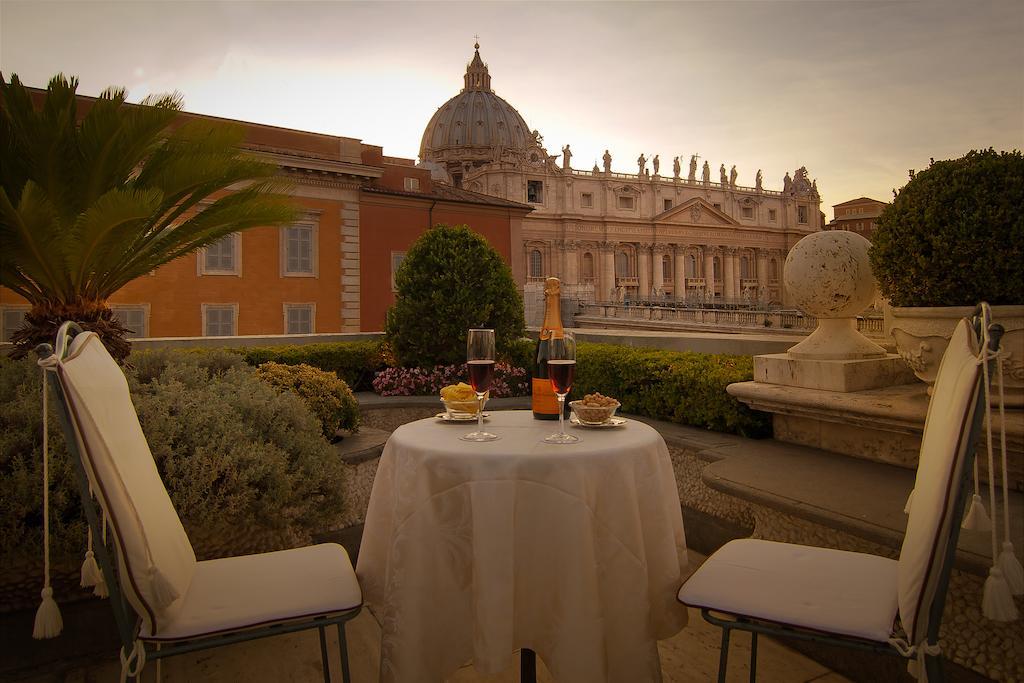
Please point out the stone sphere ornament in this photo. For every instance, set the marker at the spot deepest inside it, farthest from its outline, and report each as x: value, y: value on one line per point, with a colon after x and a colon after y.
x: 828, y: 275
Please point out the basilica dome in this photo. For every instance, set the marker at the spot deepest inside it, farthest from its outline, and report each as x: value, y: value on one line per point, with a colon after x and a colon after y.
x: 475, y: 127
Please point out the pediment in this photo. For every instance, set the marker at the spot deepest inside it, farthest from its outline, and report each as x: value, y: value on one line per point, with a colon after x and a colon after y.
x: 696, y: 211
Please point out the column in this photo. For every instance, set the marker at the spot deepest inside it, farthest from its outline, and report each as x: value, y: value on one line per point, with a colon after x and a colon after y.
x: 679, y: 271
x: 709, y: 270
x: 657, y: 281
x: 762, y: 276
x: 643, y: 266
x: 737, y: 274
x: 607, y: 280
x: 572, y: 263
x: 728, y: 273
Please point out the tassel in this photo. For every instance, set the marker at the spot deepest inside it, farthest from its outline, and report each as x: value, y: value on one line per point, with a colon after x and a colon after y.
x: 1008, y: 562
x: 163, y: 592
x: 977, y: 518
x: 906, y: 506
x: 90, y: 570
x: 48, y: 620
x: 101, y: 590
x: 1012, y: 571
x: 48, y: 623
x: 997, y: 602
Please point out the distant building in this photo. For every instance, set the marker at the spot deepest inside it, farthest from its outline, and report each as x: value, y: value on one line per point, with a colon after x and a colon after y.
x: 664, y: 230
x: 330, y: 271
x: 857, y: 215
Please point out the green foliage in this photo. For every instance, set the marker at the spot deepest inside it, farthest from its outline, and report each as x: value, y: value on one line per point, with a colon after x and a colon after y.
x: 450, y: 281
x: 328, y: 397
x: 954, y: 235
x: 520, y: 353
x: 353, y: 362
x: 232, y: 451
x: 683, y: 387
x: 88, y: 204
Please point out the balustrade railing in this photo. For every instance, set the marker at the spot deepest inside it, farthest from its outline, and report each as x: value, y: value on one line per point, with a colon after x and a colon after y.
x: 719, y: 315
x: 673, y: 180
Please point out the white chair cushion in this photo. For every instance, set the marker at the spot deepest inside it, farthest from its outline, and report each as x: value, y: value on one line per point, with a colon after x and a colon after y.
x: 942, y: 458
x: 835, y: 591
x: 255, y: 590
x: 151, y: 542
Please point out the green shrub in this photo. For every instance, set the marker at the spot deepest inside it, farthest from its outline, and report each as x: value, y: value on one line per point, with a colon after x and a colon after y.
x: 354, y: 362
x: 328, y: 397
x: 520, y: 353
x: 683, y: 387
x: 954, y: 235
x: 234, y: 454
x: 450, y: 281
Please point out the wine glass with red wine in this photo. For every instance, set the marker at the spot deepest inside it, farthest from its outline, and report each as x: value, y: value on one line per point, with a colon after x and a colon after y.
x: 562, y: 372
x: 480, y: 359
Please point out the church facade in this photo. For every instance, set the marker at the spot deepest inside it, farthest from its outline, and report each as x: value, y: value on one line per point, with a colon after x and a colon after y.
x: 670, y: 234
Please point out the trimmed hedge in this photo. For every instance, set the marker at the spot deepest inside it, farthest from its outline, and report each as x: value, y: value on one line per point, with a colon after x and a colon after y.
x: 328, y: 397
x: 354, y: 362
x: 682, y: 387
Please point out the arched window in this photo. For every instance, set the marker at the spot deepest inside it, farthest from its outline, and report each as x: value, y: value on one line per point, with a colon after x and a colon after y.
x: 588, y: 266
x: 717, y: 268
x: 621, y: 264
x: 773, y: 270
x: 536, y: 263
x: 666, y: 268
x: 744, y: 268
x: 691, y: 266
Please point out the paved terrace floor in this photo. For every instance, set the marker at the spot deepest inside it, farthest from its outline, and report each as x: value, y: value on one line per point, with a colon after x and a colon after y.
x: 689, y: 657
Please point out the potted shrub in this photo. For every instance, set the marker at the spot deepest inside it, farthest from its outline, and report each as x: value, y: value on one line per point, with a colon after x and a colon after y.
x: 954, y: 236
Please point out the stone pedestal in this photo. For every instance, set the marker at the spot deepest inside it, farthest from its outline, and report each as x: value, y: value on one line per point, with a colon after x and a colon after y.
x: 832, y: 375
x: 883, y: 424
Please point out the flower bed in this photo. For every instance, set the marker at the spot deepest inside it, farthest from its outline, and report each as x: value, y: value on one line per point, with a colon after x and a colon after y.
x: 508, y: 380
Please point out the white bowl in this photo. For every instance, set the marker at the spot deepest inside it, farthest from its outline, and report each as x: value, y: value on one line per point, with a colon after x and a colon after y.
x: 593, y: 415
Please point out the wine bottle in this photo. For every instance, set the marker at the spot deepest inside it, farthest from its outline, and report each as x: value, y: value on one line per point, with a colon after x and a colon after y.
x: 543, y: 399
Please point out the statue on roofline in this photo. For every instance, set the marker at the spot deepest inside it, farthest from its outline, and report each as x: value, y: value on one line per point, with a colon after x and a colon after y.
x: 724, y: 178
x: 676, y: 168
x: 657, y: 164
x: 693, y: 169
x: 642, y: 162
x: 607, y: 162
x: 566, y: 157
x: 707, y: 174
x: 732, y: 177
x: 758, y: 180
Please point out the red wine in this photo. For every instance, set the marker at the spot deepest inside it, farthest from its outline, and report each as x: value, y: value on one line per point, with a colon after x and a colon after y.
x: 481, y: 374
x: 562, y: 373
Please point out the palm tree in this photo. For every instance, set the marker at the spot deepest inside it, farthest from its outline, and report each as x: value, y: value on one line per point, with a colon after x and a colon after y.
x: 89, y: 203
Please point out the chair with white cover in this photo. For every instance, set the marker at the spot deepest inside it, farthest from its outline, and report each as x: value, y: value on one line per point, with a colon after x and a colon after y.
x: 852, y: 599
x: 165, y: 601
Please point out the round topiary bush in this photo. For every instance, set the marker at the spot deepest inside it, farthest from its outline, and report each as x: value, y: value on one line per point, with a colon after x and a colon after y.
x: 450, y: 281
x: 954, y: 235
x: 328, y: 397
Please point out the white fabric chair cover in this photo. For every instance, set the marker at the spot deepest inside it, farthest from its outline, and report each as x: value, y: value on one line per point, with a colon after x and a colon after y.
x: 156, y: 559
x: 253, y: 590
x: 154, y: 552
x: 940, y: 466
x: 828, y: 590
x: 849, y: 593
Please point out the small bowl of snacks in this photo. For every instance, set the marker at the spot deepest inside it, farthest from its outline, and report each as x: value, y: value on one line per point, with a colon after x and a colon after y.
x: 460, y: 402
x: 594, y: 409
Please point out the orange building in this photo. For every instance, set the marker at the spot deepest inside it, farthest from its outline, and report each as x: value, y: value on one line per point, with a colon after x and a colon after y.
x: 330, y: 271
x: 857, y: 215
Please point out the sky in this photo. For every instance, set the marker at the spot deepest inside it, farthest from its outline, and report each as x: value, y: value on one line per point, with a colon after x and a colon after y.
x: 858, y: 92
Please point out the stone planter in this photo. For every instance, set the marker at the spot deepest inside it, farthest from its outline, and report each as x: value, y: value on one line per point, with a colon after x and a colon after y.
x: 922, y: 334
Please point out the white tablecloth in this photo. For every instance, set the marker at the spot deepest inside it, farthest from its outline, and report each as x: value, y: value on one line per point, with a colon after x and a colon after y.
x: 472, y: 550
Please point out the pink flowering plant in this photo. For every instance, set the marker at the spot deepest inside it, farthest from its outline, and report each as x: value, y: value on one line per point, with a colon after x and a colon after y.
x: 508, y: 380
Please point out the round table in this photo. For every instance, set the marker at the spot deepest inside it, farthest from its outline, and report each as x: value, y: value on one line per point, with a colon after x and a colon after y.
x: 472, y: 550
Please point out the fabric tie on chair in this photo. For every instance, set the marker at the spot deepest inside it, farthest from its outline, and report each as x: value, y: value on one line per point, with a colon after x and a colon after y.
x: 48, y: 622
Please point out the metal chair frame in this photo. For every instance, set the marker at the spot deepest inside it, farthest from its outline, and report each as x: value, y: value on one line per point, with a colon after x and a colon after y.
x: 127, y: 627
x: 933, y: 663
